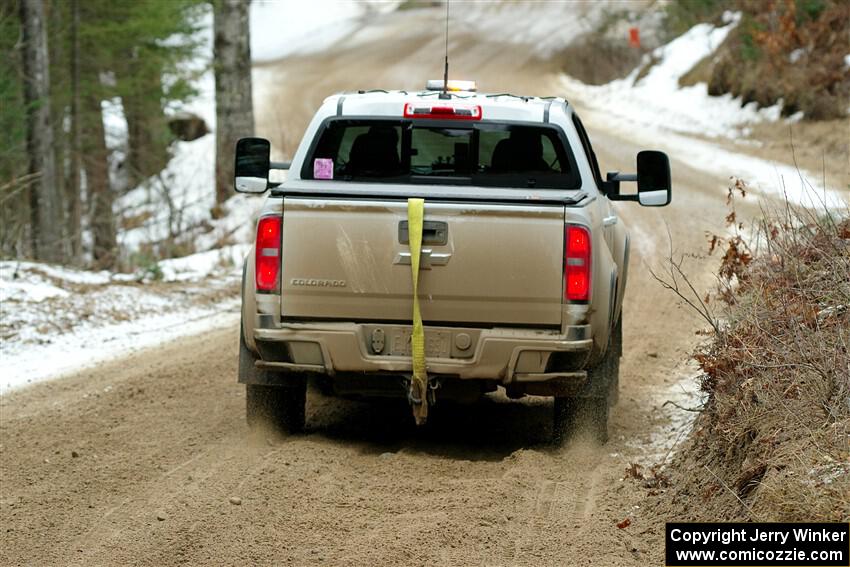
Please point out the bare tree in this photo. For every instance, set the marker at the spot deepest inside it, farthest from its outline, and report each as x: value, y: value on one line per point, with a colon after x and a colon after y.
x: 234, y: 110
x: 45, y: 195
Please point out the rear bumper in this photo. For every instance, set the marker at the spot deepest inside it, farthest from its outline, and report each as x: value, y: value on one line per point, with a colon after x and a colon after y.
x: 506, y: 355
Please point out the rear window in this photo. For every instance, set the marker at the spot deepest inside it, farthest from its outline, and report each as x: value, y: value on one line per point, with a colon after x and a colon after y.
x: 402, y: 151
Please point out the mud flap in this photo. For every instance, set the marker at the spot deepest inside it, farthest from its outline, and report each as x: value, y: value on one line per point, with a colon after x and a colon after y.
x: 418, y: 393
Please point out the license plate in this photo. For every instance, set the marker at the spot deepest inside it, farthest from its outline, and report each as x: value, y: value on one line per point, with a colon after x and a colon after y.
x: 437, y: 343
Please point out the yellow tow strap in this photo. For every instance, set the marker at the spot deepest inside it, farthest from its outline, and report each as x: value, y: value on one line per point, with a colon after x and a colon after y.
x: 419, y: 382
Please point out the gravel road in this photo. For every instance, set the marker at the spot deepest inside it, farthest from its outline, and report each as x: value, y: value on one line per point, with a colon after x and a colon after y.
x: 147, y: 460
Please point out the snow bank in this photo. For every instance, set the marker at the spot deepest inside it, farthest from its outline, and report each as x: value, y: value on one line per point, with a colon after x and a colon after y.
x: 55, y: 320
x: 83, y: 349
x: 196, y: 267
x: 656, y: 99
x: 179, y: 196
x: 35, y: 290
x: 178, y: 201
x: 655, y: 111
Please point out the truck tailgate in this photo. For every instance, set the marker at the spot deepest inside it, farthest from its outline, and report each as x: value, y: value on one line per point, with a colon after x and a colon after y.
x: 482, y: 263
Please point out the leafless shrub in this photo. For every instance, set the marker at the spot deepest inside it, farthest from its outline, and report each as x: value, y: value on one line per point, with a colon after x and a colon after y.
x: 775, y: 431
x: 14, y: 215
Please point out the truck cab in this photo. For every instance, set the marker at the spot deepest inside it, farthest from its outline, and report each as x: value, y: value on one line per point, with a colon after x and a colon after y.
x: 522, y: 259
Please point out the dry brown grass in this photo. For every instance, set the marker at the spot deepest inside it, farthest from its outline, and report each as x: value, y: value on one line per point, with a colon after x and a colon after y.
x: 773, y: 440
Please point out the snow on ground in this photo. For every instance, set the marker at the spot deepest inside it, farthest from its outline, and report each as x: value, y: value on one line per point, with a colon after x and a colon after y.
x: 198, y: 267
x: 55, y: 320
x: 76, y: 351
x: 657, y: 112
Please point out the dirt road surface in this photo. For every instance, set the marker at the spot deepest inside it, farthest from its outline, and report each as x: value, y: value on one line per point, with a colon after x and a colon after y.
x: 147, y: 460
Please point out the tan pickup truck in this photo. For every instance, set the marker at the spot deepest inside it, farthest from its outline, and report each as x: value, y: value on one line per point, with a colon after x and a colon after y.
x: 522, y: 258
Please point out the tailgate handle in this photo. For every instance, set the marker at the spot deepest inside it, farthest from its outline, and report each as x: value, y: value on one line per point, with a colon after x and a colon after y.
x: 435, y: 233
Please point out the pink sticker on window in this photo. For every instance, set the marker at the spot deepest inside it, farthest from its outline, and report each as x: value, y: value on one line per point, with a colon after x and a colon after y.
x: 323, y: 168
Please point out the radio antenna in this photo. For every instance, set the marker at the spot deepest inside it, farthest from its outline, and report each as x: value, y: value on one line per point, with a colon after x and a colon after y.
x: 445, y: 93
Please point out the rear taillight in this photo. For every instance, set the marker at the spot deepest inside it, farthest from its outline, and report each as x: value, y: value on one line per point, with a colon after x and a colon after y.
x: 267, y: 254
x: 577, y: 263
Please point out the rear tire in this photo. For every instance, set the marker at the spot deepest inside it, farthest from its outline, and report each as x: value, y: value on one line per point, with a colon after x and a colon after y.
x: 281, y: 408
x: 588, y: 411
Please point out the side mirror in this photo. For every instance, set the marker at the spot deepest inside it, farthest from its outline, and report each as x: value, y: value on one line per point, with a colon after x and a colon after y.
x: 252, y: 165
x: 653, y: 179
